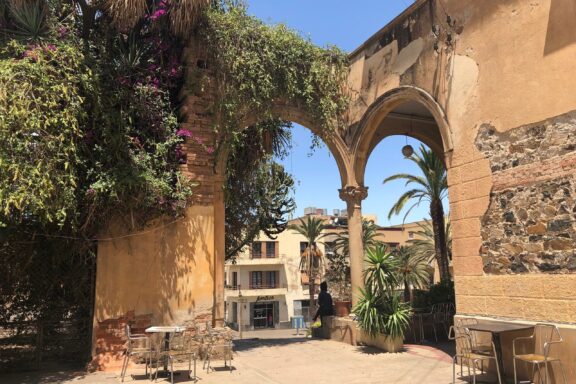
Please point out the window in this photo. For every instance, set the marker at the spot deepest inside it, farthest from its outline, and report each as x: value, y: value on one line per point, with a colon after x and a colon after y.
x: 329, y: 247
x: 271, y: 249
x: 272, y: 279
x: 303, y: 246
x: 392, y: 246
x: 257, y: 250
x: 410, y: 235
x: 234, y: 280
x: 256, y: 280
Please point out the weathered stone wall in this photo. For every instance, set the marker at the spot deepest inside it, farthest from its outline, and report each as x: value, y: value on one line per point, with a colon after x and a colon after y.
x: 530, y: 223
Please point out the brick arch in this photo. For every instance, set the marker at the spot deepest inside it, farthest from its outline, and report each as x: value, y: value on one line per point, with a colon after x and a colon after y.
x: 365, y: 136
x: 290, y: 112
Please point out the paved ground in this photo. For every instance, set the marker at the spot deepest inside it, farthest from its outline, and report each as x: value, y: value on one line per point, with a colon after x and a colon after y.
x: 281, y: 357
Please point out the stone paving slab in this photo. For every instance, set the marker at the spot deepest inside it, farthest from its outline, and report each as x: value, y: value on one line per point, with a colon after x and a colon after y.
x: 278, y: 357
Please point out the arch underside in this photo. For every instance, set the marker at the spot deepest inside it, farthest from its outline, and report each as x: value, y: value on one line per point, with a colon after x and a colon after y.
x: 289, y: 112
x: 406, y: 110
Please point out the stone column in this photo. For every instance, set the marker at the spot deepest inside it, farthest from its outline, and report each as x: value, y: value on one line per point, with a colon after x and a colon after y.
x: 353, y: 196
x: 219, y: 252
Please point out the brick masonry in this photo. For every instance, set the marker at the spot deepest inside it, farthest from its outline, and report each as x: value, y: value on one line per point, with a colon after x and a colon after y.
x: 530, y: 225
x: 110, y: 337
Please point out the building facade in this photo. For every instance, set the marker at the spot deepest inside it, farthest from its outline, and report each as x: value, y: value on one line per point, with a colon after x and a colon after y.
x: 265, y: 287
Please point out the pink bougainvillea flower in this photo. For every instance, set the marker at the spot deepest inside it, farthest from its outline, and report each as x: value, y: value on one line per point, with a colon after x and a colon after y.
x: 184, y: 133
x: 158, y: 14
x: 50, y: 47
x: 62, y: 32
x: 210, y: 150
x: 152, y: 67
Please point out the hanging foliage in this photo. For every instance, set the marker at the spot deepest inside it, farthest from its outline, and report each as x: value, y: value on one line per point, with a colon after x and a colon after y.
x: 257, y: 65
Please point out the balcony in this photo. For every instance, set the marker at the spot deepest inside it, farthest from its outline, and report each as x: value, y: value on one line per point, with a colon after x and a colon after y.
x: 261, y: 260
x: 256, y: 290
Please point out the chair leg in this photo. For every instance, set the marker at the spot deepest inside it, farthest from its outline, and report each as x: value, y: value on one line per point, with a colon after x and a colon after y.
x: 454, y: 370
x: 539, y: 374
x: 562, y: 369
x: 125, y: 364
x: 474, y: 371
x: 499, y: 374
x: 515, y: 374
x: 546, y: 372
x: 171, y: 369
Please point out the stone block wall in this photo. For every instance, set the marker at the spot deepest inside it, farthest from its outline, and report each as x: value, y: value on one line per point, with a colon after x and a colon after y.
x: 530, y: 225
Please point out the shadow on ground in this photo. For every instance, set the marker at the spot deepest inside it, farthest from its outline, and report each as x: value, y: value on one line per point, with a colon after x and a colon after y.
x: 42, y: 377
x: 253, y: 343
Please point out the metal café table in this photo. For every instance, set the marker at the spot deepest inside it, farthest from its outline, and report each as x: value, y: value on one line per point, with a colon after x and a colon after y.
x: 167, y: 330
x: 496, y: 329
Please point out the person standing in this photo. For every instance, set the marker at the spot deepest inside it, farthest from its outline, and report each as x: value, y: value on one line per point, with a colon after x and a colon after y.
x: 325, y: 305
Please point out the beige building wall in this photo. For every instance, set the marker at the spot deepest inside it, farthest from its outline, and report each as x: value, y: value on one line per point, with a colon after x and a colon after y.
x: 288, y: 264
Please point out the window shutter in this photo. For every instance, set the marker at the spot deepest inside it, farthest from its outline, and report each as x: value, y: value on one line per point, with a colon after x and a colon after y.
x: 276, y: 249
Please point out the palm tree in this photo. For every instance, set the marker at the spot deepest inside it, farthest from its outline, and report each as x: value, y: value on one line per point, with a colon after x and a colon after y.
x: 380, y: 272
x: 183, y: 14
x: 423, y: 242
x: 431, y: 186
x: 369, y: 233
x: 412, y: 270
x: 311, y: 260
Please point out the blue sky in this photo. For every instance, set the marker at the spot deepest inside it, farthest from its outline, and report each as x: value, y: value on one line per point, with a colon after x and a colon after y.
x: 317, y: 180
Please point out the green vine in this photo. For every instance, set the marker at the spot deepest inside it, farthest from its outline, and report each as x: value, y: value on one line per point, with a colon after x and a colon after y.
x: 257, y: 65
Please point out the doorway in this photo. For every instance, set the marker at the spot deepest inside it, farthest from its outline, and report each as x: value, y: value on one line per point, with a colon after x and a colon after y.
x: 263, y: 315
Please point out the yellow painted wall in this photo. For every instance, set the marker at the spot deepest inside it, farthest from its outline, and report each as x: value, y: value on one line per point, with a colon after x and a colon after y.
x: 166, y: 271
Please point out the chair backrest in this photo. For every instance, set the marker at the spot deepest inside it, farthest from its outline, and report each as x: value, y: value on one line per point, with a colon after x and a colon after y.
x: 544, y: 336
x: 463, y: 344
x: 182, y: 342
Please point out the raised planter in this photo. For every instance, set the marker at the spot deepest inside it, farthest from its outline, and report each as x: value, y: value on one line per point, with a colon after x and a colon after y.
x: 383, y: 342
x: 342, y: 308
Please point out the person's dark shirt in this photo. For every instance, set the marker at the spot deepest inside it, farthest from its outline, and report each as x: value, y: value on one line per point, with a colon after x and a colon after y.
x: 325, y: 304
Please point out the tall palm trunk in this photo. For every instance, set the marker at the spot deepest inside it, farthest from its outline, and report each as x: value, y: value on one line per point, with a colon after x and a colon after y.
x: 407, y: 293
x: 437, y: 214
x: 311, y: 289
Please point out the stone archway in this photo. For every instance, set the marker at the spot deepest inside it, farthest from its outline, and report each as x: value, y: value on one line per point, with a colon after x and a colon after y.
x: 438, y: 136
x: 288, y: 112
x: 379, y: 121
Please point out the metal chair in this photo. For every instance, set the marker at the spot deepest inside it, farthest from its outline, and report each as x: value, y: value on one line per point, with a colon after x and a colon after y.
x: 543, y: 337
x: 181, y: 345
x: 471, y: 359
x: 136, y: 345
x: 461, y: 326
x: 217, y: 343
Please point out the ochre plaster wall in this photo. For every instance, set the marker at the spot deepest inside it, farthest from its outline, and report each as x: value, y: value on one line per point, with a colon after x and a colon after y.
x: 509, y: 64
x: 161, y: 276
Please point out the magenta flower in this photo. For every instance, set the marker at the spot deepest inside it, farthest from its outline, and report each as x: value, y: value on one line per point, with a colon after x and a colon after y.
x: 152, y: 67
x: 184, y: 133
x: 50, y: 47
x: 158, y: 14
x: 62, y: 32
x: 210, y: 150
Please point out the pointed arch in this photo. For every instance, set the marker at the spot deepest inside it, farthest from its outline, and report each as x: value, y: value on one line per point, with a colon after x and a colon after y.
x: 365, y: 137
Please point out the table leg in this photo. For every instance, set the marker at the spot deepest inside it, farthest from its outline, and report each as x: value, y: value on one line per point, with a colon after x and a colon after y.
x: 500, y: 360
x: 166, y: 348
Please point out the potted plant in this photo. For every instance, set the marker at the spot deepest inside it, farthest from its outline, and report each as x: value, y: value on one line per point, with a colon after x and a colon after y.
x: 338, y: 275
x: 382, y: 315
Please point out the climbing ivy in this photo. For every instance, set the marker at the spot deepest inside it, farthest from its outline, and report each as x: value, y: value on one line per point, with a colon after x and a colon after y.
x: 257, y: 65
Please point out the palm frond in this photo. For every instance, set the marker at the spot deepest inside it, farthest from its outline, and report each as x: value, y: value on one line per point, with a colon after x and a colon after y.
x: 184, y: 14
x: 126, y: 13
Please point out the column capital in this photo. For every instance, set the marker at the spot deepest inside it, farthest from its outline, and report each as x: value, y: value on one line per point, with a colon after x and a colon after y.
x: 353, y: 194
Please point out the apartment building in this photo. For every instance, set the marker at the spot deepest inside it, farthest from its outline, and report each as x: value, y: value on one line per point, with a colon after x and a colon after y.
x: 265, y: 287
